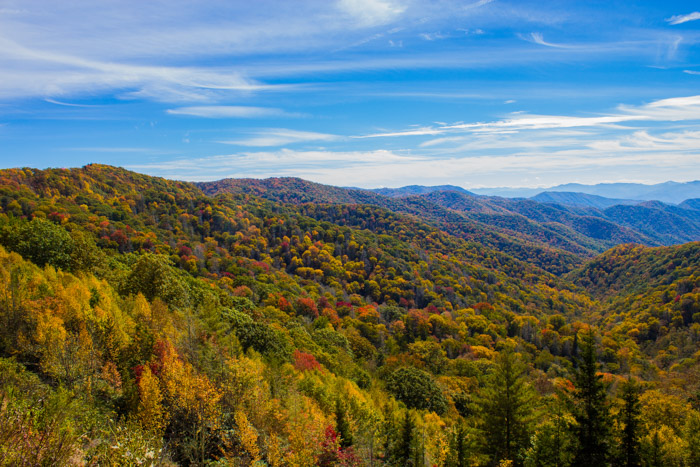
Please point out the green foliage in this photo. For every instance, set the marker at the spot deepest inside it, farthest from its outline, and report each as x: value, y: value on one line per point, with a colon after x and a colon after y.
x: 41, y: 241
x: 154, y: 277
x: 629, y: 420
x: 264, y: 339
x: 417, y: 389
x: 507, y: 405
x: 591, y: 408
x: 173, y: 341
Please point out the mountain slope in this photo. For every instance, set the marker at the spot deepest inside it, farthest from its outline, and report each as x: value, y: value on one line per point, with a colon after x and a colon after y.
x: 568, y: 198
x: 143, y: 321
x: 668, y: 192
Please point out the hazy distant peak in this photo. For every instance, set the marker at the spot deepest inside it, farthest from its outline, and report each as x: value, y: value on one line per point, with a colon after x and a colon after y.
x: 411, y: 190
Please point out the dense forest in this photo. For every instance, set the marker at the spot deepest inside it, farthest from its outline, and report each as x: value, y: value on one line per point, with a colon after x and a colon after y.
x: 280, y: 323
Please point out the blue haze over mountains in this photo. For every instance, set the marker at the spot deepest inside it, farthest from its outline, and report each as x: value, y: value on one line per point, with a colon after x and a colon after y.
x: 667, y: 192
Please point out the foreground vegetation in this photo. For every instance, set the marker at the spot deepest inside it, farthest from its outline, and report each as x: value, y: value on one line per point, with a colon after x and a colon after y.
x: 144, y: 322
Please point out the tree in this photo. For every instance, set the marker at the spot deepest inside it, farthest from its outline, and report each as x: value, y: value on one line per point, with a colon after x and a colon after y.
x: 342, y: 424
x: 506, y: 406
x: 404, y: 448
x: 417, y: 390
x: 155, y: 277
x: 629, y: 421
x: 692, y: 437
x: 552, y: 442
x: 461, y: 446
x: 40, y: 241
x: 590, y: 408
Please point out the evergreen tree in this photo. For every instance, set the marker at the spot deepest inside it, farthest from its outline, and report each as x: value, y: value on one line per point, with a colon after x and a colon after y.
x: 506, y: 404
x: 459, y: 446
x: 590, y: 408
x: 553, y: 439
x: 692, y: 437
x: 342, y: 425
x: 629, y: 420
x: 403, y: 453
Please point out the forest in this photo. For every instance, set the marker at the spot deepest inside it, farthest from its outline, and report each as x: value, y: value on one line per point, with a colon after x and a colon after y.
x: 145, y: 321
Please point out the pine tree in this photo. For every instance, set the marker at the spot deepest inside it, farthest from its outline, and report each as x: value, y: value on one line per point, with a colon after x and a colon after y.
x: 403, y: 454
x: 629, y: 419
x: 551, y: 444
x: 506, y: 404
x: 459, y: 446
x: 342, y: 425
x: 591, y: 408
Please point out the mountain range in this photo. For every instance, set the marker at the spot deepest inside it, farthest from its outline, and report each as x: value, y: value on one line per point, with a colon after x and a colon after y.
x: 667, y: 192
x: 558, y: 227
x: 284, y: 322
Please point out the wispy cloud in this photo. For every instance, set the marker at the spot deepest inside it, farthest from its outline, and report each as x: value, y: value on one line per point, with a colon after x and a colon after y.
x: 669, y: 110
x: 680, y: 19
x: 372, y: 12
x: 538, y: 38
x: 280, y: 137
x: 398, y: 168
x: 54, y: 74
x: 284, y: 162
x: 229, y: 111
x: 69, y: 104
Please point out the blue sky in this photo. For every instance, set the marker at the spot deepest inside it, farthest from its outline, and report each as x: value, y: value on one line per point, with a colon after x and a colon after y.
x: 361, y: 93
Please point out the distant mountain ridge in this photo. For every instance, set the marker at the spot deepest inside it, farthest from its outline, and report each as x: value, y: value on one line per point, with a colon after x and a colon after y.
x: 569, y: 198
x: 411, y: 190
x: 668, y: 192
x: 561, y: 232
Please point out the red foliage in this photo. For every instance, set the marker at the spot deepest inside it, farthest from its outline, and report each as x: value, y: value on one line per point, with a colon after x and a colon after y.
x: 184, y: 250
x: 483, y: 306
x: 305, y: 361
x: 284, y: 305
x: 333, y: 455
x: 306, y: 307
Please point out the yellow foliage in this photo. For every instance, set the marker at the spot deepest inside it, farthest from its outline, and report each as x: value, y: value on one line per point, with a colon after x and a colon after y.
x: 247, y: 435
x: 305, y: 427
x: 151, y: 413
x: 437, y: 443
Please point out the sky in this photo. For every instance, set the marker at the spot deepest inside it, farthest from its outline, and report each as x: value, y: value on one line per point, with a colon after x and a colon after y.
x: 364, y: 93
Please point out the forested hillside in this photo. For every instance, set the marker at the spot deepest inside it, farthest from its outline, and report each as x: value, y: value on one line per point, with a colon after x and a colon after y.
x: 152, y: 322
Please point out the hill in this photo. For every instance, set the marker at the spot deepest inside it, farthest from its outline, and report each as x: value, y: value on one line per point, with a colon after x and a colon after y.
x: 555, y: 235
x: 649, y: 294
x: 147, y: 321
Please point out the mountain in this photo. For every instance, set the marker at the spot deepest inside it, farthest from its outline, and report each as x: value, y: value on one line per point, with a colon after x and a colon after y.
x: 418, y: 190
x: 558, y: 235
x: 158, y: 322
x: 668, y: 192
x: 693, y: 204
x: 568, y: 198
x: 649, y: 294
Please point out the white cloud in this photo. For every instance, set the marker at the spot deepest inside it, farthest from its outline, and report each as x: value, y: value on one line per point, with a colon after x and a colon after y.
x: 372, y: 12
x: 280, y: 137
x: 668, y: 110
x: 679, y: 19
x: 538, y: 38
x: 392, y: 168
x: 228, y: 111
x: 31, y: 71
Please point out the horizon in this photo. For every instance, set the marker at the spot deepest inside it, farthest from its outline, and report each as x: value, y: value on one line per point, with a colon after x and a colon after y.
x: 367, y: 93
x: 374, y: 188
